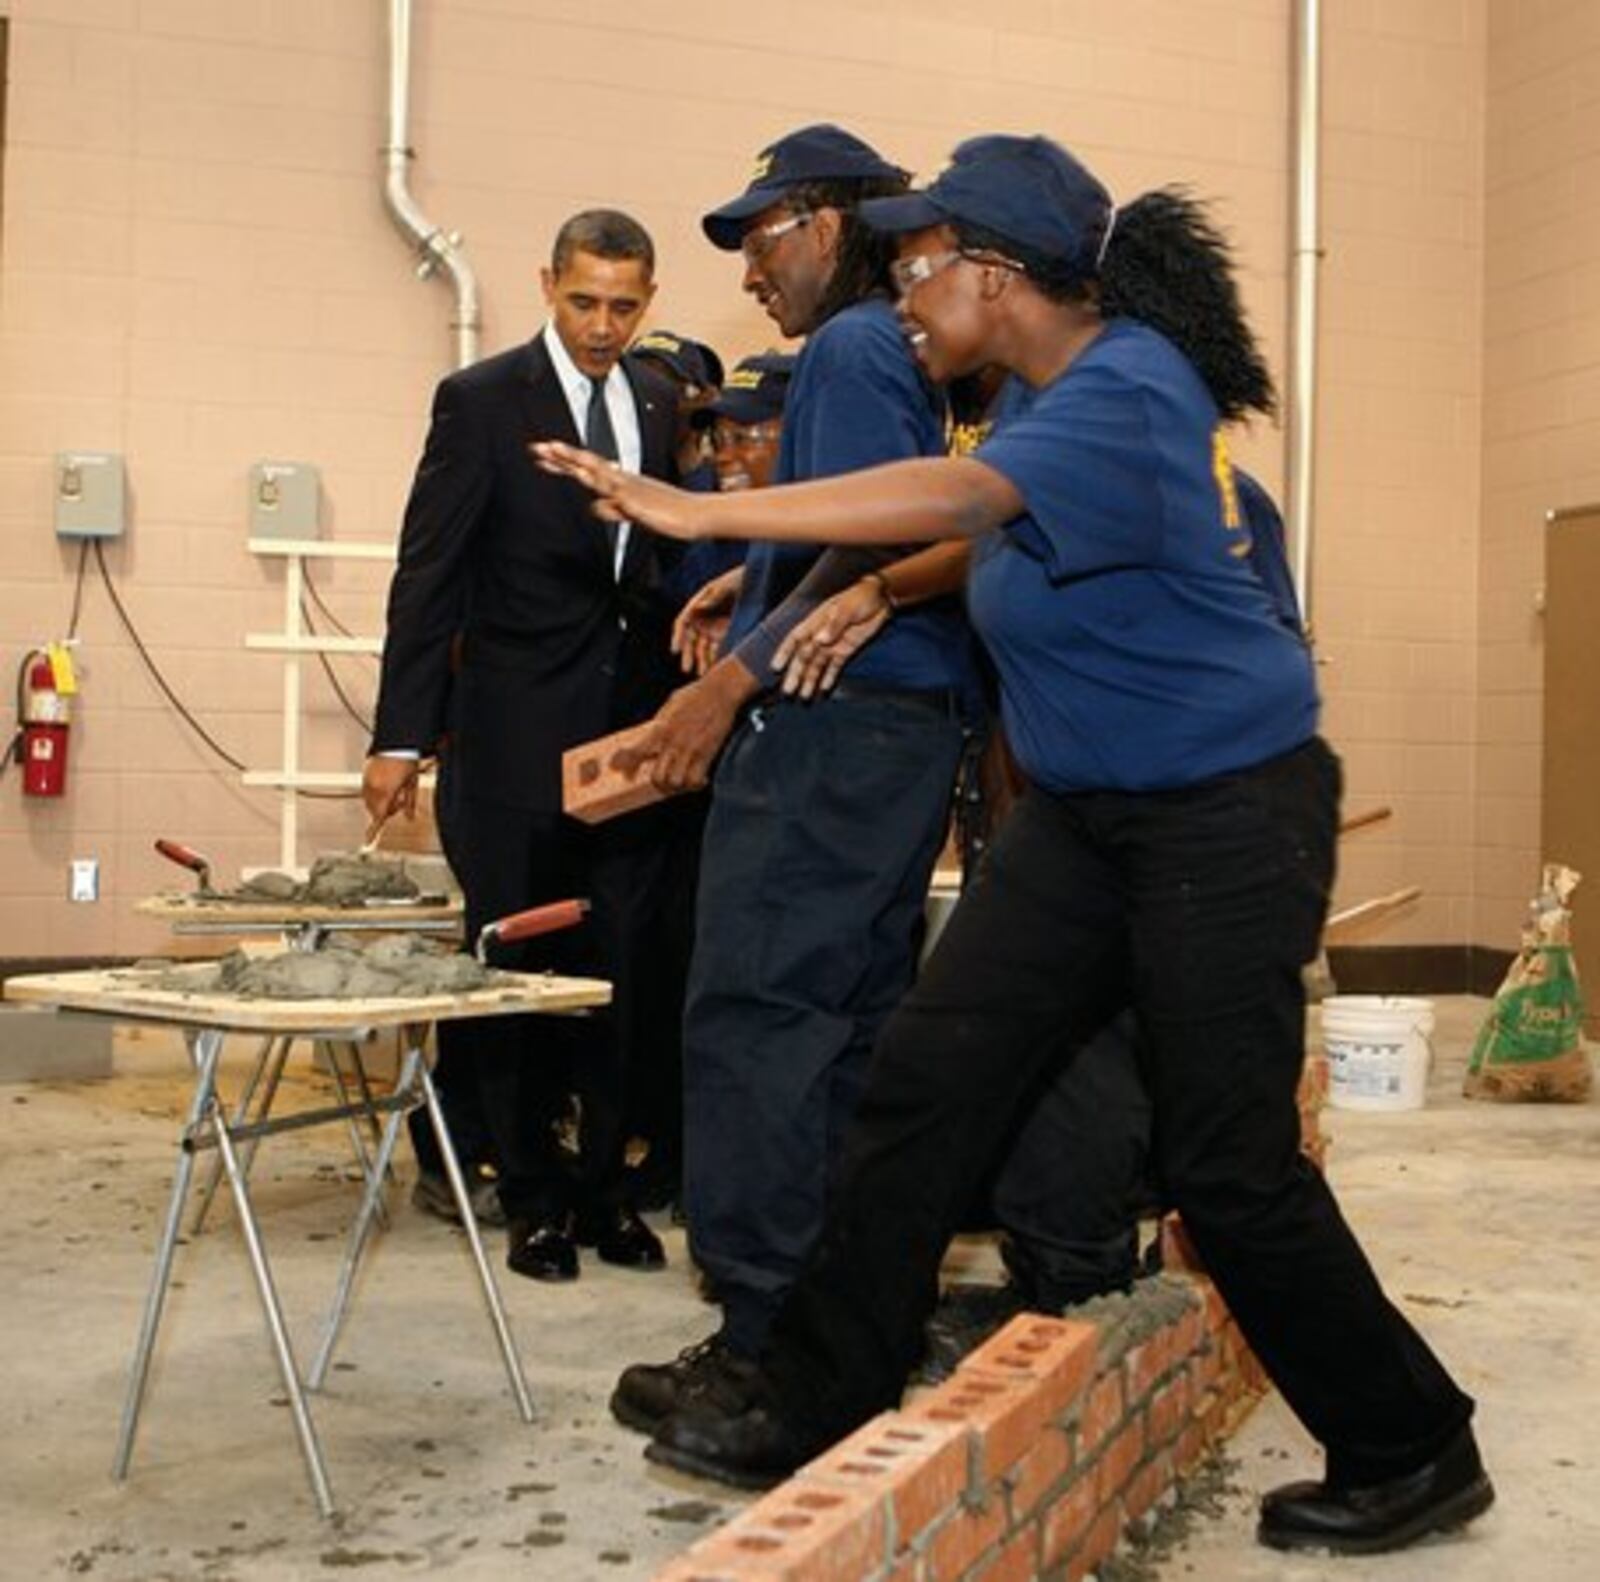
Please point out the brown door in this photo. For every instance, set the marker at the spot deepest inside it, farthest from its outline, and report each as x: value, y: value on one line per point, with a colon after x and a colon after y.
x: 1570, y: 811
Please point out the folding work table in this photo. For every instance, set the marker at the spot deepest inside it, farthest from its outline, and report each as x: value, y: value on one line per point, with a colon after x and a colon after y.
x: 302, y: 926
x: 206, y: 1019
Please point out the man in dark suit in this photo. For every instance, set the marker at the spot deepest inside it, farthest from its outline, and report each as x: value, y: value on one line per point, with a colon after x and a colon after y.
x: 520, y: 625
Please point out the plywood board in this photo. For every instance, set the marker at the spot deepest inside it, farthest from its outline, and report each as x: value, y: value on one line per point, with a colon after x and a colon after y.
x: 127, y: 992
x: 180, y: 909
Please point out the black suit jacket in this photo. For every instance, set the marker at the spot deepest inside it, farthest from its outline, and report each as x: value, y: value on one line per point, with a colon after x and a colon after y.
x: 507, y: 631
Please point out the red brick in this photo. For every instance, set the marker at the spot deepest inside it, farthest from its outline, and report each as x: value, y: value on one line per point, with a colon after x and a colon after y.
x: 964, y: 1535
x: 1207, y: 1365
x: 1102, y: 1411
x: 1191, y: 1333
x: 1100, y: 1540
x: 1039, y: 1471
x: 802, y: 1533
x: 1064, y: 1524
x: 1055, y: 1355
x: 1005, y: 1416
x: 1017, y: 1560
x: 592, y: 790
x: 1122, y: 1455
x: 1147, y: 1486
x: 1148, y: 1362
x: 1216, y: 1309
x: 1167, y: 1412
x: 1177, y: 1251
x: 918, y: 1467
x: 1255, y: 1376
x: 1192, y: 1445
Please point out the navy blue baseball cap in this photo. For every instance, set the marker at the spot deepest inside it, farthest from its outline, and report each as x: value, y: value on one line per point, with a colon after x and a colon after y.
x: 690, y: 362
x: 814, y: 153
x: 753, y: 393
x: 1027, y: 189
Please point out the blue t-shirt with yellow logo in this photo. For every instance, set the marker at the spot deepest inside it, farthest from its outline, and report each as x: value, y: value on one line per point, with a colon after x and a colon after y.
x: 1137, y: 649
x: 857, y: 398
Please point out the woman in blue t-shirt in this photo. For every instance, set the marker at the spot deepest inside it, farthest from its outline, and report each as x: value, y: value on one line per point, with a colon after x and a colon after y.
x: 1175, y: 857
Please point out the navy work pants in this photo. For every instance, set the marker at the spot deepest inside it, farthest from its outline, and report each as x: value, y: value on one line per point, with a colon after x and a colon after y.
x: 825, y: 822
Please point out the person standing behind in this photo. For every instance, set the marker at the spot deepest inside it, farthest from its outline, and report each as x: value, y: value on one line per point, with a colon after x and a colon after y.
x: 825, y: 819
x: 696, y: 374
x: 519, y: 626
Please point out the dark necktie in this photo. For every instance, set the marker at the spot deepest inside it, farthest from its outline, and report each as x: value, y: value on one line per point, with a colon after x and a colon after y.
x: 601, y: 438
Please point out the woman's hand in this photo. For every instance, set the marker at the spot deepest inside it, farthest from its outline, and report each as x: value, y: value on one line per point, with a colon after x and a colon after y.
x: 814, y: 653
x: 702, y: 623
x: 622, y: 496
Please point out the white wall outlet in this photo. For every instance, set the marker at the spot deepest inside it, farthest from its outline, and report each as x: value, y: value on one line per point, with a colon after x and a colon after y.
x: 83, y: 883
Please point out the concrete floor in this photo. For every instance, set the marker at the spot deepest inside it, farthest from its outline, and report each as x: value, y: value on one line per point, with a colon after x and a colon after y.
x: 1484, y: 1221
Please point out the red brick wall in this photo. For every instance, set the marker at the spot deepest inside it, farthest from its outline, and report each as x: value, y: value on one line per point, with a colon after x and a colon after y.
x: 1032, y: 1460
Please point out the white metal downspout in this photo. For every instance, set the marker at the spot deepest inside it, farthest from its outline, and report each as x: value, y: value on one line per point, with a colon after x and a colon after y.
x: 1300, y: 475
x: 435, y: 247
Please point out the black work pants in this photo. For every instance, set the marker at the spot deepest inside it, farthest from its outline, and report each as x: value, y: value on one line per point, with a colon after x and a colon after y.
x: 1199, y: 907
x: 1075, y: 1175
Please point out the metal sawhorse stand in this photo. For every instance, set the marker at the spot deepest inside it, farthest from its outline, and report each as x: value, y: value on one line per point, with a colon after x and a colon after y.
x: 207, y: 1019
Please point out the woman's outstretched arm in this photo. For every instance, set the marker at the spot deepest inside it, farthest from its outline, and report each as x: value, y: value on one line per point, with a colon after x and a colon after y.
x: 902, y: 502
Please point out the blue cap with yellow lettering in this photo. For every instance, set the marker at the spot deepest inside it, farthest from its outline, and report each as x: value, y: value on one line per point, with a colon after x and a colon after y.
x: 813, y: 153
x: 689, y: 362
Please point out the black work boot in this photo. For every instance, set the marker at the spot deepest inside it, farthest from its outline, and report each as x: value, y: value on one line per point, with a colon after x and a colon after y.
x: 733, y: 1433
x: 649, y: 1393
x: 1364, y: 1520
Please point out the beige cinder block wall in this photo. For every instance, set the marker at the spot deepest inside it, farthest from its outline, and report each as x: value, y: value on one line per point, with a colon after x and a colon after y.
x: 1541, y: 402
x: 196, y: 271
x: 1397, y: 501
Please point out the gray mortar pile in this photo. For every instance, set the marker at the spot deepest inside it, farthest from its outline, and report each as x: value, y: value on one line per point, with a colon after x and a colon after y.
x: 397, y: 966
x: 338, y: 880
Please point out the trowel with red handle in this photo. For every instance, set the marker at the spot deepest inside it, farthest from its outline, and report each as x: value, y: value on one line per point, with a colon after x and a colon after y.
x: 536, y: 920
x: 185, y: 857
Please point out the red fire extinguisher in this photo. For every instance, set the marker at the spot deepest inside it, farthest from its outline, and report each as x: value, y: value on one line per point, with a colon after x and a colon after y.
x: 46, y: 718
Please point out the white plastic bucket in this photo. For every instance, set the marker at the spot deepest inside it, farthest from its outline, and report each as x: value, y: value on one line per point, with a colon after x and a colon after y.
x: 1378, y: 1050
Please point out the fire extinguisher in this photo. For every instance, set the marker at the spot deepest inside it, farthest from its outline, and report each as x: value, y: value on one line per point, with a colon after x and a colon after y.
x: 45, y: 709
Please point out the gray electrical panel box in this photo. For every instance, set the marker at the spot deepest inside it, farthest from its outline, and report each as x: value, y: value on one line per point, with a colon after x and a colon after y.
x: 91, y: 495
x: 285, y: 500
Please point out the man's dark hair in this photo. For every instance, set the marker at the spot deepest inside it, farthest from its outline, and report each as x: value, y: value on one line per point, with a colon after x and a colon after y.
x: 607, y: 233
x: 1167, y: 266
x: 862, y: 267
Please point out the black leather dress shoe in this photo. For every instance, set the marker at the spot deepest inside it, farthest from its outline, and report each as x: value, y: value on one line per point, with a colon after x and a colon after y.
x: 1446, y: 1493
x: 734, y: 1437
x: 648, y: 1393
x: 542, y: 1249
x: 619, y: 1236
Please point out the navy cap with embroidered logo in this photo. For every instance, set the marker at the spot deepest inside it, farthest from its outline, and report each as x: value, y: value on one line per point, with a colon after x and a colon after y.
x: 753, y: 393
x: 689, y: 362
x: 813, y: 153
x: 1028, y: 190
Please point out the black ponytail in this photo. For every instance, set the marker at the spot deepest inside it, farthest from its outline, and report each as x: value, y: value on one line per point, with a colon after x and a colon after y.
x: 1168, y: 266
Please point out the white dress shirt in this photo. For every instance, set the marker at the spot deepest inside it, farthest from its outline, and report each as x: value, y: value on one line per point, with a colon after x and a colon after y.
x: 576, y: 386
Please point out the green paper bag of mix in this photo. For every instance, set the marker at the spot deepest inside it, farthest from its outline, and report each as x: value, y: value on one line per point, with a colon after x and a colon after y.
x: 1530, y: 1047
